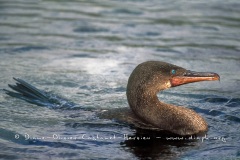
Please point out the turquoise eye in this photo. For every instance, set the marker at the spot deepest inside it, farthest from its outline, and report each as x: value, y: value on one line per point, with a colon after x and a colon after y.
x: 173, y: 71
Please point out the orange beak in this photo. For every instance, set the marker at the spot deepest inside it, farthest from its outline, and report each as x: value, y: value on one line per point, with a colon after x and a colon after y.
x: 191, y: 77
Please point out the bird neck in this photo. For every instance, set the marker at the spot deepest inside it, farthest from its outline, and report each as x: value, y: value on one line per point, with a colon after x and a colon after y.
x: 176, y: 119
x: 145, y: 104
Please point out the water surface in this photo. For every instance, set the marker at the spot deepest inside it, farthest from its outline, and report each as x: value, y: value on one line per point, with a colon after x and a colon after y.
x: 85, y: 51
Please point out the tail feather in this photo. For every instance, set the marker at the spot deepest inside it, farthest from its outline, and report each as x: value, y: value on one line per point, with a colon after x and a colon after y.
x: 24, y: 86
x: 31, y: 94
x: 24, y: 91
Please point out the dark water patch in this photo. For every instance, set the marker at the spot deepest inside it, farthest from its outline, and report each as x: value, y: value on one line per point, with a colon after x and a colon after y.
x: 120, y: 89
x: 207, y: 111
x: 127, y: 11
x: 67, y: 155
x: 19, y: 2
x: 194, y: 45
x: 16, y: 26
x: 111, y: 38
x: 28, y: 49
x: 102, y: 143
x: 233, y: 102
x: 215, y: 113
x: 83, y: 55
x: 20, y: 15
x: 227, y: 152
x: 227, y: 7
x: 61, y: 19
x: 13, y: 5
x: 223, y: 23
x: 152, y: 33
x: 212, y: 28
x: 123, y: 11
x: 130, y: 25
x: 12, y: 136
x: 232, y: 118
x: 90, y: 29
x: 160, y: 144
x: 207, y: 45
x: 167, y: 50
x: 230, y: 102
x: 172, y: 22
x: 238, y: 154
x: 4, y: 50
x: 56, y: 144
x: 149, y: 34
x: 226, y: 19
x: 2, y: 38
x: 215, y: 100
x: 6, y: 156
x: 56, y: 35
x: 131, y: 1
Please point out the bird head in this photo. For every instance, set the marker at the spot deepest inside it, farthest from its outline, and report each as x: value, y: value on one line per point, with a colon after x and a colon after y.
x: 157, y: 75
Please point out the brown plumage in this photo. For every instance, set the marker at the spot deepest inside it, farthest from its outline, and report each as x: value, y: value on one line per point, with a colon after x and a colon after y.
x: 147, y: 80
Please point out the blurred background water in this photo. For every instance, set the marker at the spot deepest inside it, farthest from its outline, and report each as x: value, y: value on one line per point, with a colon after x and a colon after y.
x: 85, y: 52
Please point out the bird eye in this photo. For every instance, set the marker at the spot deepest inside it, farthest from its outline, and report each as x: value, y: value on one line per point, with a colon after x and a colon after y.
x: 173, y: 71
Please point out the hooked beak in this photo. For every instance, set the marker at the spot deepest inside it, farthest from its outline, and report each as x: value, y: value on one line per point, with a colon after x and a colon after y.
x: 191, y: 77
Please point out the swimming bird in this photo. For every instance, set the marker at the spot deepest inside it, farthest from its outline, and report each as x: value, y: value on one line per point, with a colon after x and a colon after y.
x: 151, y: 77
x: 146, y: 111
